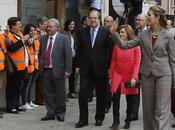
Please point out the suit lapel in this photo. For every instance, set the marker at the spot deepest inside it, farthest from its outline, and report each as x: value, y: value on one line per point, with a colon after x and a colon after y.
x: 88, y: 31
x: 159, y: 38
x: 149, y: 44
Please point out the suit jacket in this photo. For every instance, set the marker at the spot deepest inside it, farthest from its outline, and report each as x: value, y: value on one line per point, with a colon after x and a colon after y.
x: 61, y: 55
x: 159, y: 59
x: 98, y: 57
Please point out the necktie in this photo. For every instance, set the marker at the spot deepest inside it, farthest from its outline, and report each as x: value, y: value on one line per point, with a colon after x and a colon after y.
x: 92, y: 36
x: 48, y: 53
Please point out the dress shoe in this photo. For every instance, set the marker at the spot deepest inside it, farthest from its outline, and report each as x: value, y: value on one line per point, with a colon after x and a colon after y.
x: 13, y: 111
x: 1, y: 115
x: 21, y: 109
x: 98, y: 123
x: 173, y: 125
x: 90, y: 99
x: 60, y: 118
x: 106, y: 110
x: 81, y: 124
x: 46, y: 118
x: 72, y: 95
x: 134, y: 117
x: 127, y: 124
x: 114, y: 125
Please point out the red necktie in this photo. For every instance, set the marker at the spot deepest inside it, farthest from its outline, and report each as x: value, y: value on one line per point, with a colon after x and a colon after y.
x: 48, y: 53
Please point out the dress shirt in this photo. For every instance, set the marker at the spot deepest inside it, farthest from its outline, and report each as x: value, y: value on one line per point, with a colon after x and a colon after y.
x: 48, y: 42
x: 95, y: 34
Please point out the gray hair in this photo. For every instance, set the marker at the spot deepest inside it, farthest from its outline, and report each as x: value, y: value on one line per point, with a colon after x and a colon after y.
x: 55, y: 21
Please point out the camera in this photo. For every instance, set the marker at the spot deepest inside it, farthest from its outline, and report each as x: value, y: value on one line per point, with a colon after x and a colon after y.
x: 128, y: 84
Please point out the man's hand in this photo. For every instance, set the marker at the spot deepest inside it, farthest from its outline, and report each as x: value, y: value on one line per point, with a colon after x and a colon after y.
x: 66, y: 75
x: 110, y: 82
x: 77, y: 71
x: 25, y: 38
x: 133, y: 82
x: 114, y: 27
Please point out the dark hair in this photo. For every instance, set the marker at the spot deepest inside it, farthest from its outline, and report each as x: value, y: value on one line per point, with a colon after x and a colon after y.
x: 83, y: 19
x: 27, y: 28
x: 159, y: 11
x: 99, y: 14
x: 12, y: 21
x: 67, y: 23
x: 42, y: 19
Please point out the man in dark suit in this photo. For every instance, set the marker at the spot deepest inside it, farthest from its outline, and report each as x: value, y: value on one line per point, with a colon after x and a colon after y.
x: 92, y: 61
x: 55, y: 67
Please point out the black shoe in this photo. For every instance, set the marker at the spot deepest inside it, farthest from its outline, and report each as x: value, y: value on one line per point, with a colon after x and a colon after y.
x: 21, y: 109
x: 90, y: 99
x: 127, y: 124
x: 98, y: 123
x: 60, y: 118
x: 72, y: 95
x: 173, y: 125
x: 46, y: 118
x: 107, y: 110
x: 81, y: 124
x: 114, y: 125
x: 134, y: 117
x: 13, y: 111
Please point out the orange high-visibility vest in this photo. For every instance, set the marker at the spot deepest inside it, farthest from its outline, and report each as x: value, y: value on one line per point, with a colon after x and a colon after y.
x: 2, y: 50
x: 36, y: 52
x: 18, y: 56
x: 30, y: 67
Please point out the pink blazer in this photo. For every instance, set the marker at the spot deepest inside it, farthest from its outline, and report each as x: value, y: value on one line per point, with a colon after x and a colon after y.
x: 124, y: 66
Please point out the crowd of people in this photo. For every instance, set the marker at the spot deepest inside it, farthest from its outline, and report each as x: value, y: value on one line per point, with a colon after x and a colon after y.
x: 109, y: 59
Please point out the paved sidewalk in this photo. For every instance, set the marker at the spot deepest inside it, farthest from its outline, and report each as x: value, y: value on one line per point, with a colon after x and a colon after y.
x: 30, y: 120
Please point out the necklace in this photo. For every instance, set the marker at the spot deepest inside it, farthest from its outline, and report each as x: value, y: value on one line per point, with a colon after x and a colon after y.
x: 155, y: 36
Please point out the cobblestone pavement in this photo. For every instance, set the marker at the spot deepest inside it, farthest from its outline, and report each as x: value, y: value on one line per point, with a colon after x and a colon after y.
x: 30, y: 120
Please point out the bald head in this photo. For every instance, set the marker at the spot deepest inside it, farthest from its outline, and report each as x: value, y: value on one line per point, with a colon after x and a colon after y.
x: 169, y: 24
x: 108, y: 21
x: 141, y: 21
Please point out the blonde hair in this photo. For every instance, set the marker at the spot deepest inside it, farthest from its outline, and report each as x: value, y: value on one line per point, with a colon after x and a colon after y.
x: 159, y: 11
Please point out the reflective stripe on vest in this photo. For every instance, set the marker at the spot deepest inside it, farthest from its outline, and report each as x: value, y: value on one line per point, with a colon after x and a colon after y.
x: 37, y: 47
x: 18, y: 56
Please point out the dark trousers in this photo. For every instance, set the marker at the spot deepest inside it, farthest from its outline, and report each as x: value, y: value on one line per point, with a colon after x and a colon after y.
x: 116, y: 105
x: 108, y: 98
x: 13, y: 89
x: 39, y: 91
x: 100, y: 84
x: 54, y: 93
x: 72, y: 78
x: 26, y: 90
x: 136, y: 102
x: 173, y: 101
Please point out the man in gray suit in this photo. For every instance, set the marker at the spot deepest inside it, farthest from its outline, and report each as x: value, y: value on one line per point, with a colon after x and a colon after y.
x: 55, y: 67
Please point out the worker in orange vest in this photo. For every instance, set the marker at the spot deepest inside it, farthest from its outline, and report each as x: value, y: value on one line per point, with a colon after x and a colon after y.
x: 28, y: 81
x: 16, y: 45
x: 2, y: 72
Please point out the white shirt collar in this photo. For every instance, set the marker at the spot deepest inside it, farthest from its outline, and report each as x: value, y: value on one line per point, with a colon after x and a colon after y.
x: 96, y: 29
x: 53, y: 36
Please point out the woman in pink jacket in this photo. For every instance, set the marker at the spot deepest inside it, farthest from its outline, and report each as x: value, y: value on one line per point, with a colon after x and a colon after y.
x: 124, y: 67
